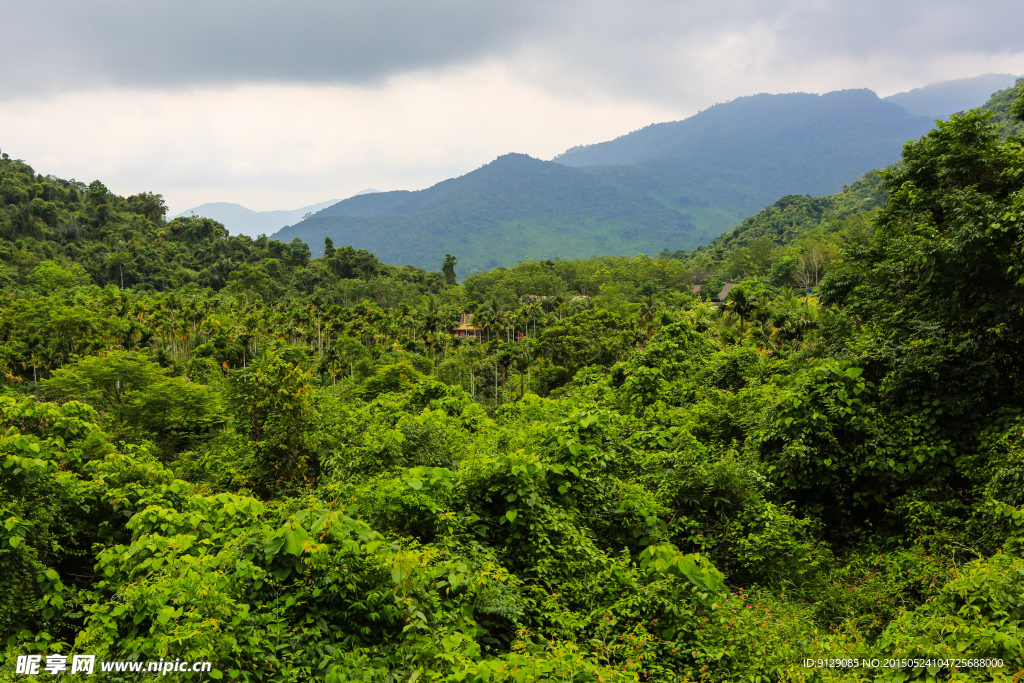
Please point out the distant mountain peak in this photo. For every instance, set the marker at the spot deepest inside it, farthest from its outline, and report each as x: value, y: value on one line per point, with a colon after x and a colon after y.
x: 939, y: 100
x: 240, y: 220
x: 514, y: 159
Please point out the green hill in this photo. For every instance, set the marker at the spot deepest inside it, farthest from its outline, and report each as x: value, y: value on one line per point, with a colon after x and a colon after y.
x: 782, y: 241
x: 513, y: 208
x: 84, y: 234
x: 999, y: 104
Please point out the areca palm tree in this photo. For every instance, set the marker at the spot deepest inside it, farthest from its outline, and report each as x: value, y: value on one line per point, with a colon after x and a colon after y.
x: 474, y: 354
x: 483, y: 321
x: 741, y: 303
x: 727, y: 323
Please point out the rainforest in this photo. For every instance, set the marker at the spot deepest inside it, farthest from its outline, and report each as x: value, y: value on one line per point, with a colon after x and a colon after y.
x: 217, y: 448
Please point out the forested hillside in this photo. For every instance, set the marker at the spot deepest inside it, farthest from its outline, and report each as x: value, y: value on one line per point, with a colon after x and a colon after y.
x: 103, y: 239
x: 516, y: 207
x: 1001, y: 105
x: 220, y: 449
x: 792, y: 241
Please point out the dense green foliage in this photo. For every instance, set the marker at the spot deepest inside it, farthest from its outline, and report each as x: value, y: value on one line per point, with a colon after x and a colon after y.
x: 613, y: 482
x: 1001, y: 105
x: 105, y: 239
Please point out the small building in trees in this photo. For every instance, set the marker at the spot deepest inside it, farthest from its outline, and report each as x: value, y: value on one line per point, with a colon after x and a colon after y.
x: 465, y: 328
x: 726, y: 288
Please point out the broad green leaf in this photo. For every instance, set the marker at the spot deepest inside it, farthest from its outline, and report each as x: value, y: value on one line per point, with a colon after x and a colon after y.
x: 273, y: 546
x: 294, y: 539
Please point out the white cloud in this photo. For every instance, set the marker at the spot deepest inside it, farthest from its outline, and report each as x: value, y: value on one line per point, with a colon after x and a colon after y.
x: 275, y: 146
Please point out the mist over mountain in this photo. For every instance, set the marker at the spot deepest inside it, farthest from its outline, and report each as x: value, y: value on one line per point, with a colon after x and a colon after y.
x: 939, y: 100
x: 242, y: 221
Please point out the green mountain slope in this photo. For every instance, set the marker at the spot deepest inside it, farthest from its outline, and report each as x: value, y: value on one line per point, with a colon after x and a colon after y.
x: 513, y: 208
x: 787, y: 220
x: 781, y: 242
x: 999, y: 104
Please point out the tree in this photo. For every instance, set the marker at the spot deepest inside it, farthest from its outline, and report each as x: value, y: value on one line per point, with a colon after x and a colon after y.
x: 298, y: 252
x: 248, y: 280
x: 593, y: 337
x: 118, y: 261
x: 811, y: 265
x: 135, y: 393
x: 448, y: 269
x: 274, y: 407
x: 49, y: 277
x: 149, y: 205
x: 935, y: 300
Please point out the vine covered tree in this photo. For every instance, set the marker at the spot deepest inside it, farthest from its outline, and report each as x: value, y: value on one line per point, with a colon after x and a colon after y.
x: 448, y: 269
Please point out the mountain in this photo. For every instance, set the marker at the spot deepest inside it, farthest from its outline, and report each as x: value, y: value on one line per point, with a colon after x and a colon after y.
x: 735, y: 158
x: 939, y: 100
x: 671, y: 185
x: 513, y: 208
x: 242, y: 221
x: 846, y: 126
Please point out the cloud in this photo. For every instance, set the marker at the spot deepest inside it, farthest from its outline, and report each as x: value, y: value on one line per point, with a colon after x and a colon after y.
x: 694, y: 54
x: 68, y: 44
x: 657, y: 49
x: 284, y: 146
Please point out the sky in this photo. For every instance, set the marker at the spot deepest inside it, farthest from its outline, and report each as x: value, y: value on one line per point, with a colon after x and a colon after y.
x: 277, y: 105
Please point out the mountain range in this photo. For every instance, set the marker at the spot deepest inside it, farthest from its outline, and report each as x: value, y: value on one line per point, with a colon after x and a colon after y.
x: 242, y: 221
x: 672, y: 185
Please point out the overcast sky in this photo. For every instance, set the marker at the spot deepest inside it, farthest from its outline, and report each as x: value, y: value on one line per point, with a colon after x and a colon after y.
x: 275, y: 105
